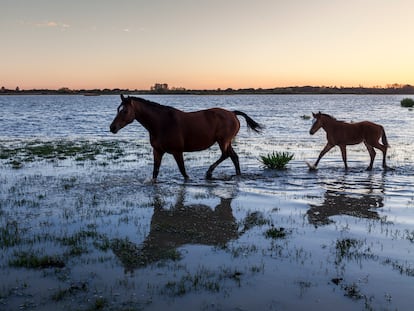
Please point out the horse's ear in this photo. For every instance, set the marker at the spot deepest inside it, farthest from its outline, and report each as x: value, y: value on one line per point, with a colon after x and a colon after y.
x: 314, y: 115
x: 122, y: 97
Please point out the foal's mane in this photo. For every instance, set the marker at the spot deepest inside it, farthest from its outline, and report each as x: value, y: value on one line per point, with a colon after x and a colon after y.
x: 151, y: 104
x: 328, y: 116
x: 331, y: 117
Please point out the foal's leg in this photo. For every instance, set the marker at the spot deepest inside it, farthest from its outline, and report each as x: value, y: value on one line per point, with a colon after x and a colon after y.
x: 157, y: 162
x: 343, y: 151
x: 324, y: 150
x: 384, y: 153
x: 372, y: 154
x: 384, y: 157
x: 178, y: 156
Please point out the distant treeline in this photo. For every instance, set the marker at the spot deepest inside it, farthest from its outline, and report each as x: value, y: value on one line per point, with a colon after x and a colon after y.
x: 393, y: 89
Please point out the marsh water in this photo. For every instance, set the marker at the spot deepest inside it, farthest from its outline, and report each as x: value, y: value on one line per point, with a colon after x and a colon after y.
x: 83, y: 228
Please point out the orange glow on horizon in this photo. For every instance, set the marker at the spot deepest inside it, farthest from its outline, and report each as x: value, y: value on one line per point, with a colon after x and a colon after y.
x: 198, y: 45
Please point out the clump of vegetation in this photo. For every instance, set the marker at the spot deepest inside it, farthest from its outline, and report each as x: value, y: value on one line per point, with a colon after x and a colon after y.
x: 32, y: 261
x: 276, y: 160
x: 407, y: 102
x: 59, y: 150
x: 275, y: 233
x: 9, y: 235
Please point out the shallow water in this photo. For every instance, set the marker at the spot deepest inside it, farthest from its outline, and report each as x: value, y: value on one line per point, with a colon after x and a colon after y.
x: 271, y: 240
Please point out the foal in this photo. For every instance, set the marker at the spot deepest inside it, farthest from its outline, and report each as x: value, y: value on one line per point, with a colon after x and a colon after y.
x: 340, y: 133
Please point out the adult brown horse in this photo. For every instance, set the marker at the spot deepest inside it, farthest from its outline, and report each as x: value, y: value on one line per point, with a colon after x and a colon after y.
x: 174, y: 131
x: 340, y: 133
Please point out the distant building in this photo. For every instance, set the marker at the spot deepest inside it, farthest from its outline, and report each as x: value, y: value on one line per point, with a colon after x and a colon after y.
x: 159, y: 87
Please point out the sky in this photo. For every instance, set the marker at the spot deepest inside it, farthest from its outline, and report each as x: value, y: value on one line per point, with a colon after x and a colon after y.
x: 205, y: 44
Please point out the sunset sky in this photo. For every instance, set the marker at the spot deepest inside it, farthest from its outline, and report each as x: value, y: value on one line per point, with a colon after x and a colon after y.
x: 205, y: 44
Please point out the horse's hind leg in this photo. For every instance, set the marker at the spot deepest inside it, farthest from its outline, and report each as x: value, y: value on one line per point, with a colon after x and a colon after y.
x: 226, y: 151
x: 235, y: 158
x: 215, y: 164
x: 372, y: 154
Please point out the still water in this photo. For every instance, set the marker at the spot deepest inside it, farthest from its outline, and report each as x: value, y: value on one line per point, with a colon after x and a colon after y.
x: 271, y: 240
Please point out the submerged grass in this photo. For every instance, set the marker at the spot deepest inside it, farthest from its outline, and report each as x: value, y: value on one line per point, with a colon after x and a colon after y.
x: 275, y: 233
x: 9, y: 235
x: 60, y: 150
x: 32, y: 261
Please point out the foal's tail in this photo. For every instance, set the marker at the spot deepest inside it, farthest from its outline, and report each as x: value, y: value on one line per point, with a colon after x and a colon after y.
x: 384, y: 139
x: 250, y: 122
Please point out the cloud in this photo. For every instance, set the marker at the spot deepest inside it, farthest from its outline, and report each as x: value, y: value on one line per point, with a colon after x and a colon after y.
x: 52, y: 24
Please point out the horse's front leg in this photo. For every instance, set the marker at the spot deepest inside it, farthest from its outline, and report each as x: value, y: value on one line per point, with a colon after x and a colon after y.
x: 157, y: 163
x: 178, y: 156
x: 343, y: 151
x: 323, y: 152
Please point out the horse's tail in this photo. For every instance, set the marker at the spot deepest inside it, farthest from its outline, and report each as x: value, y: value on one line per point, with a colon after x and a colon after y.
x: 384, y: 138
x: 250, y: 122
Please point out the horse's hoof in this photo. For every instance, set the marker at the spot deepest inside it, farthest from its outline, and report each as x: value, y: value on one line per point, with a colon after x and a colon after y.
x: 150, y: 181
x: 311, y: 166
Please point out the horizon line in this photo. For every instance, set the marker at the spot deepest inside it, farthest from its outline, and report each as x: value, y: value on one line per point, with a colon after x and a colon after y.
x: 167, y: 88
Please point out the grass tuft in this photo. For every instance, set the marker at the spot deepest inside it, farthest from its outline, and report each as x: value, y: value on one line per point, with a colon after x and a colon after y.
x: 276, y: 160
x: 407, y: 102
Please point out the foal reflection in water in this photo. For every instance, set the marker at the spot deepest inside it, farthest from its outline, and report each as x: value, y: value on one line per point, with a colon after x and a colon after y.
x: 340, y: 133
x: 337, y: 203
x: 174, y: 131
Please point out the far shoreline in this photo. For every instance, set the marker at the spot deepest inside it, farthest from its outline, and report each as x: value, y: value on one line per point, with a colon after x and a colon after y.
x: 294, y: 90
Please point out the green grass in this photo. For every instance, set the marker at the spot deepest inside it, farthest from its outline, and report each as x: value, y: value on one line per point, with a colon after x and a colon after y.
x: 9, y: 235
x: 32, y: 261
x: 276, y: 160
x: 32, y: 151
x: 407, y: 102
x: 275, y: 233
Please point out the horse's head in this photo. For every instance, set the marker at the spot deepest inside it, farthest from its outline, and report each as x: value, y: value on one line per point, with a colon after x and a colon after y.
x: 316, y: 123
x: 125, y: 115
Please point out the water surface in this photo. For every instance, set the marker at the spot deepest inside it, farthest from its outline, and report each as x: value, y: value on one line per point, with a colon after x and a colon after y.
x: 271, y: 240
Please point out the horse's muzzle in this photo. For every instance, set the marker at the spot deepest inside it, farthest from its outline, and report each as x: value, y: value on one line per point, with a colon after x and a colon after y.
x: 113, y: 128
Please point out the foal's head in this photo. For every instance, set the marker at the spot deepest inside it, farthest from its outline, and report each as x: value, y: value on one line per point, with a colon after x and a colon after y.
x: 125, y: 115
x: 319, y: 119
x: 316, y: 123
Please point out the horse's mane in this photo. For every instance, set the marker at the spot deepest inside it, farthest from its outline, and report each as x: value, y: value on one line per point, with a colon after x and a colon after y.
x: 151, y: 103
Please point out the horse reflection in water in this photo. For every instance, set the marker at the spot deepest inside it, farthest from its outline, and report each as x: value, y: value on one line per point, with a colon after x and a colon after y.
x: 345, y: 201
x: 180, y: 225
